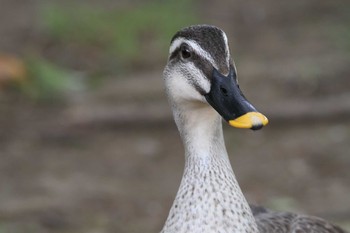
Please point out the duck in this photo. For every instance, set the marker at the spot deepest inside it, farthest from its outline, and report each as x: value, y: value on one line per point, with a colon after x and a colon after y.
x: 202, y: 89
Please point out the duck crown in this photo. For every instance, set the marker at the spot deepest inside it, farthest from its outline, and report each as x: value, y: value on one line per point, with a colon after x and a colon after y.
x: 208, y: 42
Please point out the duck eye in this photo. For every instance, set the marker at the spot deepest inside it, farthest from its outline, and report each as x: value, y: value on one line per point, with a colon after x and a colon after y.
x: 185, y: 52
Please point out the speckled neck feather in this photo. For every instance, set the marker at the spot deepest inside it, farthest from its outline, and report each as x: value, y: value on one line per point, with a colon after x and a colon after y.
x: 209, y: 198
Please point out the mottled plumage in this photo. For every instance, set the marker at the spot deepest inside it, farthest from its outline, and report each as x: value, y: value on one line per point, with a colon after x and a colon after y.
x: 209, y: 199
x: 285, y: 222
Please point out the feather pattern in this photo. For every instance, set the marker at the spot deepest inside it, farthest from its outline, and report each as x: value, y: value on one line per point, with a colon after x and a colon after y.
x: 209, y: 199
x: 285, y: 222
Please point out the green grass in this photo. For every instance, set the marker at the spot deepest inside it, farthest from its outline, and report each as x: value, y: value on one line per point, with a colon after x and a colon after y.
x: 122, y: 37
x: 126, y: 33
x: 48, y: 82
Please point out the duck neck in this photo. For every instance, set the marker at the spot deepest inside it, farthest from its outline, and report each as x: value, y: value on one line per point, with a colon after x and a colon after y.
x: 209, y: 198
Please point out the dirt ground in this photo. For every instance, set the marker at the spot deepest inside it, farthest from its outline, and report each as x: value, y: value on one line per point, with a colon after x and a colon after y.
x: 112, y: 160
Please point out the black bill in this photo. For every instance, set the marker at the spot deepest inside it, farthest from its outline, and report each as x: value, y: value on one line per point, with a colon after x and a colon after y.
x: 227, y: 99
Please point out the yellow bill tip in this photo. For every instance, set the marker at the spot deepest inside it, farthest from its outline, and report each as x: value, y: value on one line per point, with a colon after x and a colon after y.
x: 250, y: 120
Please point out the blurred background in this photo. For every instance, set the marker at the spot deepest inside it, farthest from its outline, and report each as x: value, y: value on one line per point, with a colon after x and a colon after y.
x: 87, y: 141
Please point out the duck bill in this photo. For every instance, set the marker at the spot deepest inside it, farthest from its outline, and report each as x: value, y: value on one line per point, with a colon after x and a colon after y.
x: 228, y: 100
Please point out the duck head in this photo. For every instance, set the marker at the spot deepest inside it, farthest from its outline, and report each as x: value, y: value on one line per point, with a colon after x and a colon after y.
x: 200, y: 70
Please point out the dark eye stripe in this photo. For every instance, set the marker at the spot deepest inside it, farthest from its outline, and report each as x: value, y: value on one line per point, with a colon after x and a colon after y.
x: 174, y: 54
x: 183, y: 48
x: 201, y: 63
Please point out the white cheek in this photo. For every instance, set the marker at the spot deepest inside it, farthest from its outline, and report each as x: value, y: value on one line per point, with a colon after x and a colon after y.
x: 180, y: 88
x: 198, y: 77
x: 181, y: 83
x: 205, y: 84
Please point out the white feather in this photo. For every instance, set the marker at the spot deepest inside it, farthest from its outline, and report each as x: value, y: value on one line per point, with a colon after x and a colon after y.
x: 227, y: 49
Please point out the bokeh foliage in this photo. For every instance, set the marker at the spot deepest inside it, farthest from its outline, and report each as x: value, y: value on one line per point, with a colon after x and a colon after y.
x: 125, y: 32
x: 126, y: 39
